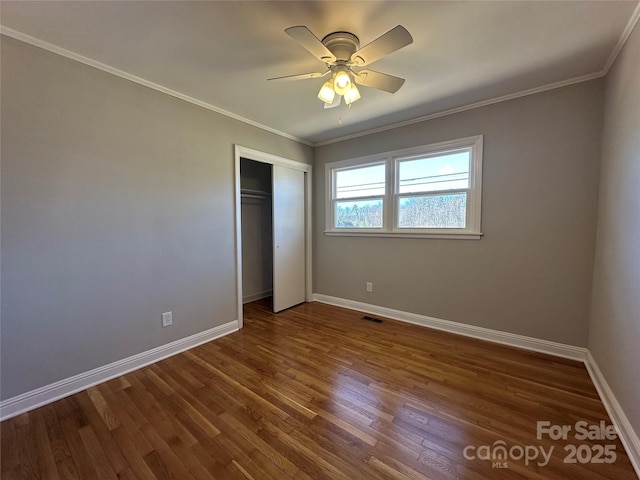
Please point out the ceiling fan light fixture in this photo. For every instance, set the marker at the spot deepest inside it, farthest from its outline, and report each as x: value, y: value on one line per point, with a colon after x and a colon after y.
x: 342, y: 80
x: 352, y: 95
x: 339, y: 51
x: 327, y: 93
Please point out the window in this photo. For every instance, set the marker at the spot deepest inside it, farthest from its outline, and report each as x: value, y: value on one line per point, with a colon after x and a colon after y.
x: 428, y: 191
x: 359, y: 196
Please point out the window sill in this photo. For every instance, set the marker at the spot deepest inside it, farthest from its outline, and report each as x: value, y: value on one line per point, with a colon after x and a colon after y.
x: 442, y: 236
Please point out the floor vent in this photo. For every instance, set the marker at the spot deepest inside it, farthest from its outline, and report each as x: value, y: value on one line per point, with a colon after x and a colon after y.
x: 371, y: 319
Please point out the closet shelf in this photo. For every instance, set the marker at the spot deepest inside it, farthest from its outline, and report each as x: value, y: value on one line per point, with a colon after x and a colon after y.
x: 247, y: 193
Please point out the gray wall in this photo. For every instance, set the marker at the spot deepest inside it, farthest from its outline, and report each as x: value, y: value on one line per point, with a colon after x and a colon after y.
x: 531, y: 272
x: 614, y: 335
x: 117, y: 205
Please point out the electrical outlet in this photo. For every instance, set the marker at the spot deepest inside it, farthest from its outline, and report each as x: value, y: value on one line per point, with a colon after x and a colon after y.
x: 167, y: 319
x: 369, y: 287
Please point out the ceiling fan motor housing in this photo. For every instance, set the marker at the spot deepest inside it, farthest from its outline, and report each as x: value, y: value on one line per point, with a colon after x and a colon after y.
x: 342, y: 45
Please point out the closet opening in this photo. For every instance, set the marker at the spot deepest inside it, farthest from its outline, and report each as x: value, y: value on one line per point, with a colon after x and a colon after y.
x: 273, y: 230
x: 257, y: 230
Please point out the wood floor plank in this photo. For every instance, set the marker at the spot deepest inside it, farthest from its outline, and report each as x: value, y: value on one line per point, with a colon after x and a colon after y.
x: 109, y: 419
x: 131, y: 418
x: 9, y: 455
x: 103, y: 433
x: 314, y: 393
x: 250, y: 438
x: 81, y: 458
x: 97, y: 455
x: 47, y: 459
x: 167, y: 455
x: 135, y: 458
x: 28, y: 453
x: 67, y: 469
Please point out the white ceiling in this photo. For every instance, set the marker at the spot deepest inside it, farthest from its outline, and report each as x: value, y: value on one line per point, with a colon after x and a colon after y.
x: 221, y: 52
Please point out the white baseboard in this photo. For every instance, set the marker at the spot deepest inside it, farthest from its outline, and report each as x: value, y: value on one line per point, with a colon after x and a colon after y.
x: 496, y: 336
x: 63, y: 388
x: 628, y: 436
x: 256, y: 296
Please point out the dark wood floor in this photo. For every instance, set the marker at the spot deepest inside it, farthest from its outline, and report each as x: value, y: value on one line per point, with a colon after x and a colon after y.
x: 317, y: 393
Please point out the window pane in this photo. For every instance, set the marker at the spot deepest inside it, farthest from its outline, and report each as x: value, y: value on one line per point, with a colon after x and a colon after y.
x: 433, y: 211
x: 360, y: 182
x: 431, y: 174
x: 359, y: 214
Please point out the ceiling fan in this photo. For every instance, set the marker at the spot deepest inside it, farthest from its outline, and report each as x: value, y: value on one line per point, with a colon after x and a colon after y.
x: 341, y: 52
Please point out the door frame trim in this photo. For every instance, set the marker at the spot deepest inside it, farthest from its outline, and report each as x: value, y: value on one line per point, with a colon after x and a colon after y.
x: 264, y: 157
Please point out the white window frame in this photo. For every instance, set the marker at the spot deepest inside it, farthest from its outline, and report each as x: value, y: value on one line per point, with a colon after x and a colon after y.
x: 333, y: 200
x: 391, y: 197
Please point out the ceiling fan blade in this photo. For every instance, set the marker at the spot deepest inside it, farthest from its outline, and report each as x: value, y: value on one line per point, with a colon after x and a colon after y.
x: 381, y: 81
x: 336, y: 102
x: 308, y: 40
x: 393, y: 40
x: 301, y: 76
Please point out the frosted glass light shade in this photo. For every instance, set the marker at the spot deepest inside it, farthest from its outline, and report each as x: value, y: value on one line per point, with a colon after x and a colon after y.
x: 342, y: 81
x: 352, y: 95
x: 327, y: 93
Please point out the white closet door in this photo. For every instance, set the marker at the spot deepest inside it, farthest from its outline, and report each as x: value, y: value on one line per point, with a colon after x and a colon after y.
x: 288, y: 238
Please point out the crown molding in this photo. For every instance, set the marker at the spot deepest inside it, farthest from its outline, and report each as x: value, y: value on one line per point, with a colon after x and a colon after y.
x: 23, y: 37
x: 623, y: 39
x: 464, y: 108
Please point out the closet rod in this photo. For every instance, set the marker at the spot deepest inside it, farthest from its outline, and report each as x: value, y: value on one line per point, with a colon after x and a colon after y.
x: 246, y: 193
